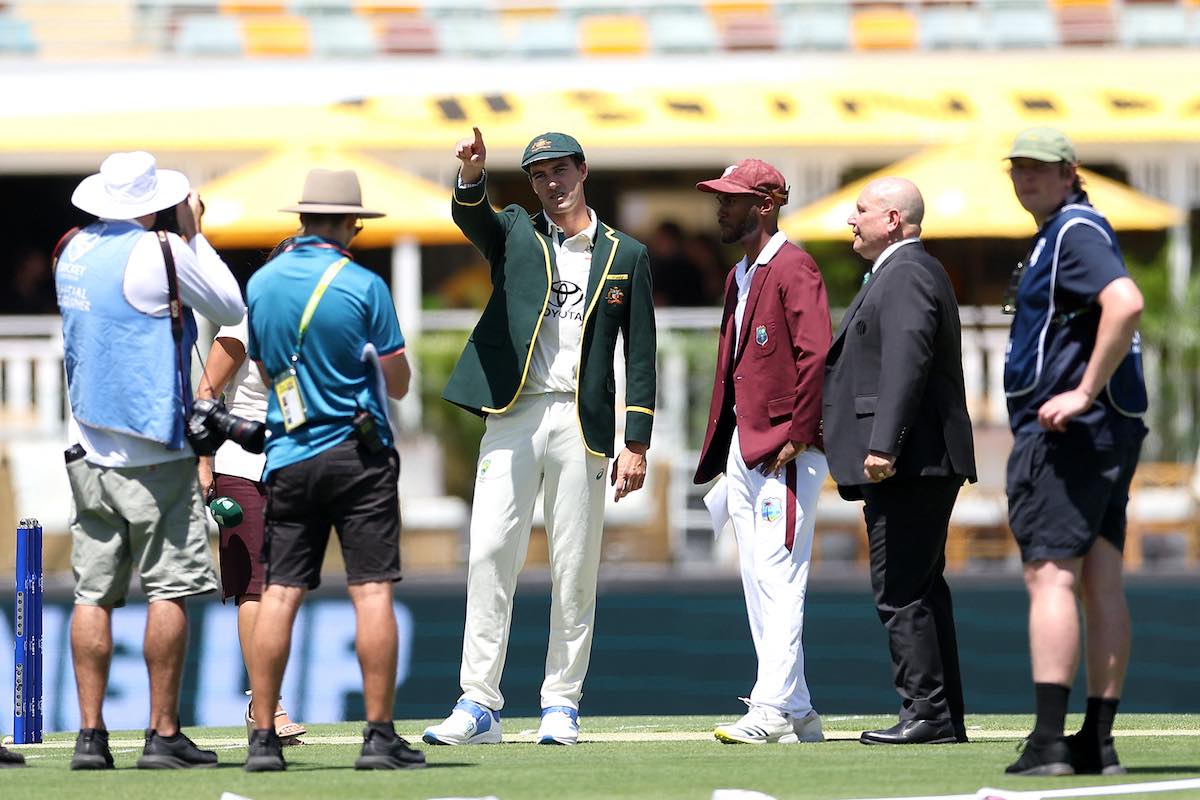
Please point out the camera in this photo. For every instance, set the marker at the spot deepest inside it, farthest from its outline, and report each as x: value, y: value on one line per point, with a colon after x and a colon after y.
x: 209, y: 425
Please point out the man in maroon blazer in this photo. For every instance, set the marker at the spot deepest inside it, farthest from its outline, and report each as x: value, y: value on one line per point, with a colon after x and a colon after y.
x: 763, y: 435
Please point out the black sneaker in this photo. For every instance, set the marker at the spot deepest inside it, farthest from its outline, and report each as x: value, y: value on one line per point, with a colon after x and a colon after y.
x: 173, y: 752
x: 1092, y: 757
x: 381, y: 752
x: 10, y: 759
x: 266, y: 752
x: 1048, y: 758
x: 91, y: 750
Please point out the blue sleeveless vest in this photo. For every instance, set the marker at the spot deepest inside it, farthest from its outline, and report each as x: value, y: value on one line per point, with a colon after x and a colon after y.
x: 1037, y: 317
x: 122, y: 367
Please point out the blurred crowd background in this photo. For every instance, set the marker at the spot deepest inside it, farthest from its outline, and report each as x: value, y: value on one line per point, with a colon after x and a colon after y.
x: 246, y: 95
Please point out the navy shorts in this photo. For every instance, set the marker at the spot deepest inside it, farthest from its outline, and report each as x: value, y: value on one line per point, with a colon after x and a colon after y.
x: 345, y: 488
x: 1064, y: 492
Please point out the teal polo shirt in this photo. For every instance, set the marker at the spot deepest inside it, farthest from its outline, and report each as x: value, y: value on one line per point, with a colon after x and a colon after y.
x: 353, y: 327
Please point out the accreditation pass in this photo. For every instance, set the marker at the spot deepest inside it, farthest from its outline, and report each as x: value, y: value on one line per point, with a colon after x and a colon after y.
x: 291, y: 405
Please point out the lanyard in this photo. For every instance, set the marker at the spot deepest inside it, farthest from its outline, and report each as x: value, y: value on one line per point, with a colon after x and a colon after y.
x: 330, y: 273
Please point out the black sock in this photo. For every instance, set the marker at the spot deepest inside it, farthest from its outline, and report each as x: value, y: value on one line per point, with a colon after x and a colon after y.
x: 387, y: 729
x: 1098, y: 721
x: 1051, y: 701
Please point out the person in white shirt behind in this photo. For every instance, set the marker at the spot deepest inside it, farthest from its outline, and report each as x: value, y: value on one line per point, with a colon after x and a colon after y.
x: 235, y: 473
x: 126, y: 295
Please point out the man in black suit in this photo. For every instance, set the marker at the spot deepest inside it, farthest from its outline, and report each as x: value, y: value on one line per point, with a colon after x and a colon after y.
x: 897, y: 435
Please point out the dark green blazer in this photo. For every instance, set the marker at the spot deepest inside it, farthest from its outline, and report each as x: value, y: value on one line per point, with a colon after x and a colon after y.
x: 493, y: 367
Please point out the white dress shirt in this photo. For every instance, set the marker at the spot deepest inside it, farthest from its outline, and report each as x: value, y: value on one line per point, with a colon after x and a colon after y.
x: 743, y: 274
x: 556, y: 352
x: 891, y: 248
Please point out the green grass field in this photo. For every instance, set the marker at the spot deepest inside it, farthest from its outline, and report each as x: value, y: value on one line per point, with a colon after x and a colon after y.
x: 618, y: 757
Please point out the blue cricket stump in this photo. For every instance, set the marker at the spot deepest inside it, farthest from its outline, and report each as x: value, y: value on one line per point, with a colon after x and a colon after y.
x: 27, y: 644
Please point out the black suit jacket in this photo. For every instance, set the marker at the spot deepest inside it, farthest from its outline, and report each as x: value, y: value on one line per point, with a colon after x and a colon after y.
x: 894, y: 379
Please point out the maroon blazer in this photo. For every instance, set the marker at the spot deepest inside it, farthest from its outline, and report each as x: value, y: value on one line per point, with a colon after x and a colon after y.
x: 776, y: 379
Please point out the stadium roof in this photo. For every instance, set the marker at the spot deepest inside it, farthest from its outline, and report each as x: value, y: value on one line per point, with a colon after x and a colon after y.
x: 968, y: 194
x: 903, y: 100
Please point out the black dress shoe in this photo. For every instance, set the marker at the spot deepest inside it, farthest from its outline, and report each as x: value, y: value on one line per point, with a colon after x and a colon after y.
x: 913, y: 731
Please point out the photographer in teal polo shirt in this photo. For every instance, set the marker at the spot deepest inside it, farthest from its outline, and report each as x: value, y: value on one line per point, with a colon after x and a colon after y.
x: 539, y: 367
x: 323, y: 332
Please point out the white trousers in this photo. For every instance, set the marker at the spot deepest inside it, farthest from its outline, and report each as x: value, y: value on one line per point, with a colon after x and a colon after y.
x: 773, y: 521
x: 536, y: 445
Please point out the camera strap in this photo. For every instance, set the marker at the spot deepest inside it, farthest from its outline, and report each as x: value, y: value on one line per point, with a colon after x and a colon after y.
x: 176, y: 309
x: 62, y: 246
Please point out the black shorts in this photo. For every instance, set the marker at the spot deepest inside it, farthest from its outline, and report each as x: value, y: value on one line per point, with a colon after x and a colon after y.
x: 1064, y: 492
x: 345, y: 488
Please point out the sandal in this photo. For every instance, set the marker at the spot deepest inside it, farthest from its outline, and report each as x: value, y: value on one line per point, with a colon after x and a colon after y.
x: 288, y: 734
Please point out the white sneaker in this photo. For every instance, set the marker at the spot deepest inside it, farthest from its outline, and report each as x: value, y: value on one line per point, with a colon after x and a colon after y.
x: 560, y: 725
x: 760, y: 725
x: 468, y: 723
x: 808, y: 728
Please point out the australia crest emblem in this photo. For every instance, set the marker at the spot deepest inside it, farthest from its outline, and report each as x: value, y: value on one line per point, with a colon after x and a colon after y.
x: 615, y: 296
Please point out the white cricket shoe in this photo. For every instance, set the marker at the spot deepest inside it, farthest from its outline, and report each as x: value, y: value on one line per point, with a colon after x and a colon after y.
x: 468, y: 723
x: 808, y: 728
x: 560, y: 725
x: 760, y: 725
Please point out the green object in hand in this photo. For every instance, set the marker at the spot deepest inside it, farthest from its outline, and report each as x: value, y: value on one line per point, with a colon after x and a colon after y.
x: 226, y: 511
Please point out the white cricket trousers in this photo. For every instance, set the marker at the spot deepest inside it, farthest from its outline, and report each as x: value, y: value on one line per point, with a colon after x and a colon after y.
x: 536, y: 445
x: 773, y: 521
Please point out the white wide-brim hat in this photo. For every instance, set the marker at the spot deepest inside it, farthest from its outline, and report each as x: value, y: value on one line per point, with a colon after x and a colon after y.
x: 128, y: 186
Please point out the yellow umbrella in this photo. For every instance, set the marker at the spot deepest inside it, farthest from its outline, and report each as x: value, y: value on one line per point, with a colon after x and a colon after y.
x: 968, y: 195
x: 242, y: 207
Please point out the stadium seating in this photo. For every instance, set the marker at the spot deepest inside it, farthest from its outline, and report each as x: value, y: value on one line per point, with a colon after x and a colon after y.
x: 405, y: 35
x: 674, y: 31
x: 1153, y: 25
x: 883, y: 28
x: 567, y: 28
x: 347, y: 36
x: 614, y: 34
x: 946, y: 27
x: 824, y: 26
x: 276, y: 35
x: 471, y: 37
x: 16, y: 37
x: 1022, y: 27
x: 209, y: 36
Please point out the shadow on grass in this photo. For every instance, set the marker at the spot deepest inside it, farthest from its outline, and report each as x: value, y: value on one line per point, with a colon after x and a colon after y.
x: 299, y: 766
x: 1180, y: 770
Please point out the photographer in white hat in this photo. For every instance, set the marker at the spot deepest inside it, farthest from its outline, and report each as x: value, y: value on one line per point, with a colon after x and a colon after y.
x: 126, y: 295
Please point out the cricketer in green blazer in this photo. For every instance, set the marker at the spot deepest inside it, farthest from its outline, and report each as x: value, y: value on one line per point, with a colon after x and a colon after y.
x: 494, y: 365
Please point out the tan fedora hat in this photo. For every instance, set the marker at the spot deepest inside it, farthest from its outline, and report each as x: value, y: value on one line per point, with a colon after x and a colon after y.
x: 332, y: 191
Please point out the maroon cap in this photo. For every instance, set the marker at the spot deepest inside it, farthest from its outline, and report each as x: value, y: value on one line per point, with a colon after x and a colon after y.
x: 749, y: 176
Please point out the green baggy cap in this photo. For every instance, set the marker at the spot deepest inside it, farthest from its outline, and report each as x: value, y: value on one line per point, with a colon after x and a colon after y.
x: 550, y: 145
x: 1043, y: 144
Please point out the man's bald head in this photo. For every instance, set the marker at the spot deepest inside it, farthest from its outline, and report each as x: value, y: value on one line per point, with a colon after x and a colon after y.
x: 888, y: 210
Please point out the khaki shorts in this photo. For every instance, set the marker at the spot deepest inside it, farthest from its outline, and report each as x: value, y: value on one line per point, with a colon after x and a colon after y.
x: 151, y: 517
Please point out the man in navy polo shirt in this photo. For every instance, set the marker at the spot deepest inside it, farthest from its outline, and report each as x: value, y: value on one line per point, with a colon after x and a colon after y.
x: 323, y: 332
x: 1076, y: 396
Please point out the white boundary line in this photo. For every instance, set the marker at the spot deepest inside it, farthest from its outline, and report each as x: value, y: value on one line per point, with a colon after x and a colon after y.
x: 1048, y: 794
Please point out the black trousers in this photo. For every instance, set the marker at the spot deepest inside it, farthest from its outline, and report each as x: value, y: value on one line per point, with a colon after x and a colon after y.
x: 907, y: 519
